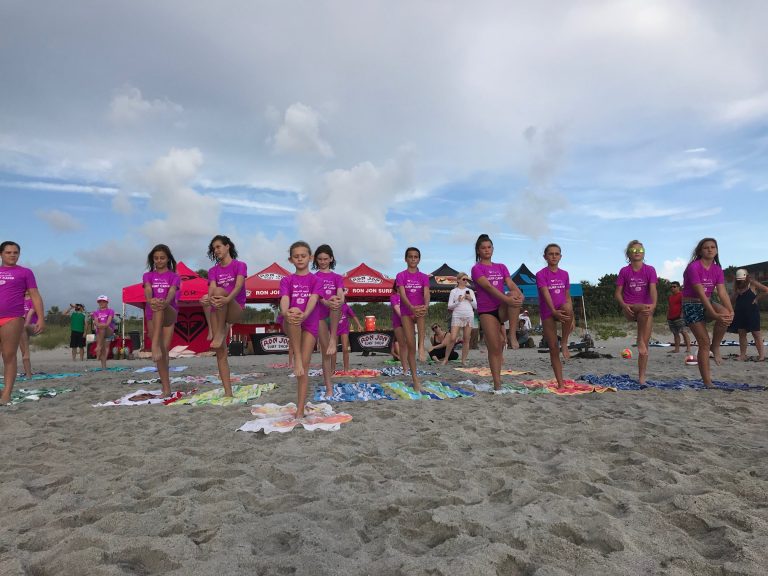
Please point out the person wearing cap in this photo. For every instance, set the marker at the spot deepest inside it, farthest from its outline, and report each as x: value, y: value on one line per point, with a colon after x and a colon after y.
x: 76, y: 313
x: 746, y: 312
x: 103, y: 319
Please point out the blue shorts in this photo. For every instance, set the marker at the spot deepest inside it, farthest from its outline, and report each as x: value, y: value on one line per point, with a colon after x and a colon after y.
x: 693, y: 312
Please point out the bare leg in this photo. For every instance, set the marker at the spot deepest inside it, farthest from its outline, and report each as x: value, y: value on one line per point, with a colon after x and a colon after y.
x: 699, y: 330
x: 328, y: 369
x: 644, y: 329
x: 294, y: 335
x: 205, y: 302
x: 743, y: 345
x: 24, y: 347
x: 758, y: 336
x: 345, y: 351
x: 495, y: 345
x: 420, y: 322
x: 334, y: 316
x: 550, y: 335
x: 676, y: 337
x: 566, y: 329
x: 156, y: 329
x: 403, y: 347
x: 451, y: 336
x: 465, y: 344
x: 222, y: 362
x: 513, y: 313
x: 164, y: 341
x: 410, y: 349
x: 74, y: 354
x: 10, y: 334
x: 687, y: 341
x: 305, y: 347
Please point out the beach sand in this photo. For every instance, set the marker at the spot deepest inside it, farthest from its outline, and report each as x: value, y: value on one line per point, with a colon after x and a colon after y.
x: 647, y: 482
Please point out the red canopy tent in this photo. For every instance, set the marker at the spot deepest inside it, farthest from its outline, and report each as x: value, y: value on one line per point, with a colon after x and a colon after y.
x: 364, y: 284
x: 264, y: 286
x: 191, y: 327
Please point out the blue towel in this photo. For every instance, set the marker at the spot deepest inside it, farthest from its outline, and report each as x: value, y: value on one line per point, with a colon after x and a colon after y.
x: 352, y: 392
x: 625, y: 382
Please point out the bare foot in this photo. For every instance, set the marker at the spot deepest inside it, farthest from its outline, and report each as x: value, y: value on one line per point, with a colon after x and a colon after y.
x: 716, y: 355
x: 709, y: 385
x: 742, y: 358
x: 328, y: 391
x: 166, y: 392
x: 156, y: 354
x: 332, y: 348
x: 209, y: 336
x: 565, y: 351
x: 444, y: 362
x: 422, y: 357
x: 514, y: 344
x: 298, y: 370
x: 416, y: 385
x: 218, y: 342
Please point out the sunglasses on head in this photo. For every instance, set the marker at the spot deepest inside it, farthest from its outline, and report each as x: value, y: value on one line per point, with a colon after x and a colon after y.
x: 435, y: 327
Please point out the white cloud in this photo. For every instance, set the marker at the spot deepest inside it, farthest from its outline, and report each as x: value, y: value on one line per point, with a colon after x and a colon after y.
x: 300, y: 132
x: 746, y: 110
x: 673, y: 269
x: 60, y: 187
x: 60, y: 221
x: 128, y: 106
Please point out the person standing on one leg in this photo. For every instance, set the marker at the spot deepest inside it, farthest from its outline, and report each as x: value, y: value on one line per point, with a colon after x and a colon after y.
x: 554, y: 288
x: 414, y: 302
x: 702, y: 277
x: 328, y: 310
x: 636, y: 293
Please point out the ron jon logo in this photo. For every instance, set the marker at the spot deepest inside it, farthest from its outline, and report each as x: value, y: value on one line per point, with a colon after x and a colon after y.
x: 271, y: 276
x: 365, y: 279
x: 274, y: 344
x: 375, y: 340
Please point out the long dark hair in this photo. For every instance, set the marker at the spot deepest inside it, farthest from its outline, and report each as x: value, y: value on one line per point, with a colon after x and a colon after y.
x: 324, y: 249
x: 696, y: 254
x: 224, y: 240
x: 480, y: 239
x: 167, y: 251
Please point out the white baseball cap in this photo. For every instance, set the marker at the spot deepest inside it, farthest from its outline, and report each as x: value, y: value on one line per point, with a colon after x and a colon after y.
x: 741, y: 274
x: 102, y: 298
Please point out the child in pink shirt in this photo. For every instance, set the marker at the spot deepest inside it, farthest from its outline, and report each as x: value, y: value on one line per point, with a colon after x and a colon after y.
x: 413, y: 286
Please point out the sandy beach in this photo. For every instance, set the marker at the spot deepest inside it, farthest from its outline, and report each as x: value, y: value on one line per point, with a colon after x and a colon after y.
x: 644, y: 482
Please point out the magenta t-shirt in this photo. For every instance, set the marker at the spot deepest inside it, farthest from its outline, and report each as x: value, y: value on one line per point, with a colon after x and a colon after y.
x: 299, y: 288
x: 557, y: 284
x: 29, y: 305
x: 346, y: 312
x: 226, y: 277
x: 14, y: 281
x: 695, y: 273
x: 330, y: 282
x: 496, y: 274
x: 394, y: 300
x: 101, y: 316
x: 161, y: 283
x: 637, y: 284
x: 413, y: 283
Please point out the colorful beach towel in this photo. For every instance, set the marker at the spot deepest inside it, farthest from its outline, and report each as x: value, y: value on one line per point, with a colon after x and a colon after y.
x: 506, y: 388
x: 357, y: 373
x: 44, y: 376
x: 154, y: 369
x: 485, y: 372
x: 143, y: 397
x: 277, y: 418
x: 352, y: 392
x: 109, y: 369
x: 397, y: 371
x: 625, y: 382
x: 445, y: 391
x: 570, y: 387
x: 241, y: 394
x: 20, y: 395
x: 286, y: 365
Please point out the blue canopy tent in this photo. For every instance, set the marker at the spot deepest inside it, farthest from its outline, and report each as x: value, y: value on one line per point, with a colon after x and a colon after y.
x: 526, y: 281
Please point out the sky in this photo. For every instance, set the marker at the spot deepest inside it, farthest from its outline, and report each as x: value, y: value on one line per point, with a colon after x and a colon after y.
x: 373, y: 126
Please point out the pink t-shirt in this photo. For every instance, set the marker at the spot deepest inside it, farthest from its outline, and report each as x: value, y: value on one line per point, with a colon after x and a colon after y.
x: 414, y: 284
x: 346, y: 313
x: 695, y: 273
x: 637, y: 284
x: 14, y: 281
x: 226, y: 277
x: 557, y: 284
x: 299, y: 288
x: 101, y: 316
x: 394, y: 300
x: 29, y: 305
x: 330, y: 282
x: 496, y: 274
x: 161, y: 283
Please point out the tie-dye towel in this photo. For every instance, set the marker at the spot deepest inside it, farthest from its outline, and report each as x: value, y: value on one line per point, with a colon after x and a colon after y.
x: 154, y: 369
x: 506, y: 388
x: 397, y: 371
x: 430, y: 390
x: 20, y: 395
x: 277, y: 418
x: 143, y: 397
x: 625, y: 382
x: 570, y: 387
x: 486, y: 372
x: 241, y: 394
x: 357, y: 373
x: 352, y: 392
x: 109, y: 369
x: 44, y: 376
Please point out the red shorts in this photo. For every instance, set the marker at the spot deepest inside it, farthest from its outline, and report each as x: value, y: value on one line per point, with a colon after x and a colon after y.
x: 4, y: 321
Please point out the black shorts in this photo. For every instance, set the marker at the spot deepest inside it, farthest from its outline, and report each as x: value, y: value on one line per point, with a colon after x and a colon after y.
x: 494, y: 313
x: 76, y: 340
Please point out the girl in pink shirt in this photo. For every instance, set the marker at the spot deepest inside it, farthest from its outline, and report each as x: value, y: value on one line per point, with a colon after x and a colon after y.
x: 299, y: 293
x: 223, y: 305
x: 103, y: 319
x: 494, y: 306
x: 161, y: 286
x: 636, y: 293
x: 14, y: 282
x: 701, y: 278
x: 414, y: 302
x: 328, y: 309
x: 555, y: 306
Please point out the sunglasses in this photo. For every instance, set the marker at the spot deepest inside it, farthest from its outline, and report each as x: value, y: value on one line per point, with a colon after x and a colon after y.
x: 435, y: 327
x: 637, y: 250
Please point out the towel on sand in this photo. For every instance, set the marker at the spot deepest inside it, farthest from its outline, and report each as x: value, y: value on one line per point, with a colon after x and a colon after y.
x: 570, y: 387
x: 20, y: 395
x: 109, y: 369
x: 357, y: 373
x: 154, y: 369
x: 277, y: 418
x: 506, y: 388
x: 352, y: 392
x: 486, y: 372
x: 395, y: 371
x: 241, y: 394
x: 625, y: 382
x: 44, y: 376
x: 430, y: 390
x: 143, y: 397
